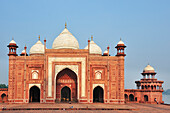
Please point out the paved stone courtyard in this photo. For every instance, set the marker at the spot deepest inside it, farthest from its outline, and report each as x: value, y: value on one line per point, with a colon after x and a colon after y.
x: 126, y: 108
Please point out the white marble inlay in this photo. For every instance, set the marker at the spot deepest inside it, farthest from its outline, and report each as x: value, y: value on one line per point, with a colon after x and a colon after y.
x: 101, y: 85
x: 67, y: 59
x: 35, y: 74
x: 98, y: 74
x: 38, y: 85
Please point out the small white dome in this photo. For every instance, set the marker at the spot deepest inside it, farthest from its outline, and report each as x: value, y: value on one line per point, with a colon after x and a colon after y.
x: 65, y: 40
x: 23, y: 51
x: 105, y: 51
x: 38, y: 48
x: 94, y: 48
x: 148, y: 68
x: 120, y: 42
x: 12, y: 42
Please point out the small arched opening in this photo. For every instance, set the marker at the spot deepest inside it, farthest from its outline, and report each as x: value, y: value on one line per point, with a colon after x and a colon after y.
x: 126, y: 97
x: 142, y: 87
x: 34, y: 95
x: 4, y: 97
x: 98, y: 94
x: 145, y: 98
x: 131, y: 97
x: 65, y: 94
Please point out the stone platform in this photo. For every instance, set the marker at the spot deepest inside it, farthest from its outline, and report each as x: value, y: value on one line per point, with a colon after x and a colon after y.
x: 83, y: 108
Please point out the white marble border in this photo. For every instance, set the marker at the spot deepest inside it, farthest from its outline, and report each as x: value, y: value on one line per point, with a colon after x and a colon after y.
x: 38, y: 85
x: 101, y: 85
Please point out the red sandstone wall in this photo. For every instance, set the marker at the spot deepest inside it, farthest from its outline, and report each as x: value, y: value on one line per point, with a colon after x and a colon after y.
x: 17, y: 82
x: 112, y: 76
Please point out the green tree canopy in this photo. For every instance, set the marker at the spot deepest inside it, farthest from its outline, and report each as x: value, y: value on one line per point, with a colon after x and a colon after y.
x: 3, y: 86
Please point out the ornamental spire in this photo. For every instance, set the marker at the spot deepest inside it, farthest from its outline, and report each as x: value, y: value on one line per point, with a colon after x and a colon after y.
x: 91, y: 37
x: 39, y: 37
x: 65, y: 25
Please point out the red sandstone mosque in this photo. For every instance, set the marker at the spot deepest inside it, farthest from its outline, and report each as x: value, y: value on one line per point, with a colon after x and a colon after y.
x: 66, y: 73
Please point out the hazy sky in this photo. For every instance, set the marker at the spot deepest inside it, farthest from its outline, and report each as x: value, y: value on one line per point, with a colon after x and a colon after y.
x: 144, y: 26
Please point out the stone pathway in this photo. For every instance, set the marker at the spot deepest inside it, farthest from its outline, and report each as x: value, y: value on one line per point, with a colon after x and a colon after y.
x: 126, y: 108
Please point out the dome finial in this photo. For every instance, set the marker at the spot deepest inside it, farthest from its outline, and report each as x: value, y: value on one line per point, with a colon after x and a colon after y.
x: 91, y: 37
x: 65, y: 25
x: 12, y: 38
x: 39, y: 37
x: 120, y: 38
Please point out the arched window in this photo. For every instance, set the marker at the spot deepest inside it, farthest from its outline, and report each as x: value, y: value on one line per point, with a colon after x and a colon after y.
x: 126, y: 97
x: 3, y: 96
x: 34, y: 75
x: 131, y: 97
x: 142, y: 87
x: 98, y: 74
x: 145, y: 98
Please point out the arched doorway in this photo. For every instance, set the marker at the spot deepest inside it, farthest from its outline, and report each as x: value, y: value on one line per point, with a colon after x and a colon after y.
x: 145, y: 98
x: 131, y: 97
x: 126, y: 97
x: 4, y: 97
x: 66, y: 78
x: 34, y: 94
x: 98, y: 94
x: 65, y: 94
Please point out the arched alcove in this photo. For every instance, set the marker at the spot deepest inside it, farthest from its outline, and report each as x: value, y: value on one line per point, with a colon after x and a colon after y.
x: 65, y: 94
x: 126, y: 97
x: 131, y: 97
x: 34, y: 94
x: 145, y: 98
x: 98, y: 94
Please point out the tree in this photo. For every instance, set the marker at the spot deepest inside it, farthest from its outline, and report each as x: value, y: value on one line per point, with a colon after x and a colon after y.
x: 3, y: 86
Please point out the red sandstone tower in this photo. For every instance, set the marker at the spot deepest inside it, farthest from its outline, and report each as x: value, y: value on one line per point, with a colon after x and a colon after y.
x: 120, y: 48
x: 12, y: 61
x: 149, y: 89
x: 150, y: 85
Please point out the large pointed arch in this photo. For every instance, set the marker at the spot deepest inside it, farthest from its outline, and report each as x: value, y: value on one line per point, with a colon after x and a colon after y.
x: 66, y: 78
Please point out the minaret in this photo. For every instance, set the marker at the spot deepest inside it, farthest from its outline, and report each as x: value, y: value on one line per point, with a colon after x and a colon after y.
x: 120, y: 48
x: 12, y: 48
x: 12, y: 69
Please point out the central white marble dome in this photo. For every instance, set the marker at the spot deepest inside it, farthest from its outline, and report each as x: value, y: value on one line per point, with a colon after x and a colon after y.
x: 65, y: 40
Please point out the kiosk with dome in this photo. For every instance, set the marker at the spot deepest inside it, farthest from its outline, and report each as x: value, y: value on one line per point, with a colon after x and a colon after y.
x: 149, y: 89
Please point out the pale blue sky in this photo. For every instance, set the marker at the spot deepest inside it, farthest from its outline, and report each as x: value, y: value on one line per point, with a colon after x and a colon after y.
x: 144, y: 26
